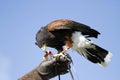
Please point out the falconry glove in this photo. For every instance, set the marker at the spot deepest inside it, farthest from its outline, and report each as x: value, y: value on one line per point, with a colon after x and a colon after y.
x: 57, y: 65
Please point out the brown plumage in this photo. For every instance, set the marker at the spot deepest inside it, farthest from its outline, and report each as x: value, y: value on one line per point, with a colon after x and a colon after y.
x: 61, y: 33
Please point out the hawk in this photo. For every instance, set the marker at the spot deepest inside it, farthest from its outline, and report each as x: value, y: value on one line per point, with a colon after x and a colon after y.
x: 75, y: 35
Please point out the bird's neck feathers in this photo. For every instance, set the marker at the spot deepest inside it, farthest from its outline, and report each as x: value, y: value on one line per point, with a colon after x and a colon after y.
x: 47, y: 34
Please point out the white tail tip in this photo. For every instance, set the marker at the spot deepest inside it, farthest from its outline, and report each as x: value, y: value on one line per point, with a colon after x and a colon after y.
x: 107, y: 60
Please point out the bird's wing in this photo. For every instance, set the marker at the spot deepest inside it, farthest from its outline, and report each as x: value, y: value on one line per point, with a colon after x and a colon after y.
x: 75, y: 26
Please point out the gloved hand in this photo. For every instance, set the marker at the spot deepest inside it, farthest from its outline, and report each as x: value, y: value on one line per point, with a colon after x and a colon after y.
x: 55, y: 66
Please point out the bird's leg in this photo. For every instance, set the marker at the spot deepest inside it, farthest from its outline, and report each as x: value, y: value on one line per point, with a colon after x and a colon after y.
x: 68, y: 44
x: 47, y: 53
x: 65, y: 50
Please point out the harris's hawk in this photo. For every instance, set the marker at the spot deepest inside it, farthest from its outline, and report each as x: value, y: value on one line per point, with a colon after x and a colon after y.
x: 72, y: 34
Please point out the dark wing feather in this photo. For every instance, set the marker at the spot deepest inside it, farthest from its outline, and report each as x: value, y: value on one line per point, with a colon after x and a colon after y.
x: 75, y: 26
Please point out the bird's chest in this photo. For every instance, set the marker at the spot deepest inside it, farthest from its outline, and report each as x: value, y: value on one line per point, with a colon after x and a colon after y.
x: 56, y: 39
x: 59, y: 37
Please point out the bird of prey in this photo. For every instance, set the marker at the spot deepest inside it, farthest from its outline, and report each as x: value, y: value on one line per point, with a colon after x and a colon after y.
x: 75, y: 35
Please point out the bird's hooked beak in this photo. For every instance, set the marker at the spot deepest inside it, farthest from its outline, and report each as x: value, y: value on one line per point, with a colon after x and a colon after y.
x: 43, y: 47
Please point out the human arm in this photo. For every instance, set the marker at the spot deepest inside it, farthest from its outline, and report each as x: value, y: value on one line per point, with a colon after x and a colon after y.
x: 48, y: 69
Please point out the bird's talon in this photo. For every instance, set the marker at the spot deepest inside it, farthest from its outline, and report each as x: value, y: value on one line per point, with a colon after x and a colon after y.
x: 58, y: 55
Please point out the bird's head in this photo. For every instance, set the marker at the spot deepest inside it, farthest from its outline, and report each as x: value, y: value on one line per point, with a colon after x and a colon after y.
x: 42, y: 38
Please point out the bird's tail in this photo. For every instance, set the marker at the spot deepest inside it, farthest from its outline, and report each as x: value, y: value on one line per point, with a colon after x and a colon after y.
x: 95, y: 54
x: 89, y: 50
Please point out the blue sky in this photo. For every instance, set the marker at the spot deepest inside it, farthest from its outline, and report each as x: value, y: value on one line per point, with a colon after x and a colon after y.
x: 21, y: 19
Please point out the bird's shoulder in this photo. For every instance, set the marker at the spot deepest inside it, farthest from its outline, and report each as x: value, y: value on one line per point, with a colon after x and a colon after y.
x: 60, y: 24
